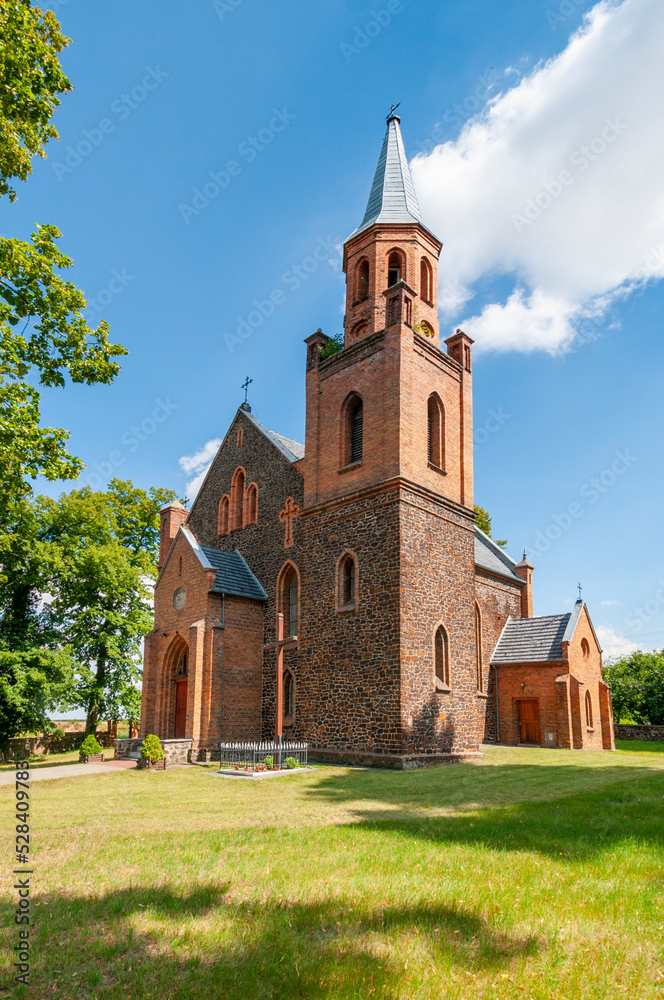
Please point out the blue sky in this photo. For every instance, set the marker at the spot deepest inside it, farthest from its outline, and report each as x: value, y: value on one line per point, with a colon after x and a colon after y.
x: 285, y: 104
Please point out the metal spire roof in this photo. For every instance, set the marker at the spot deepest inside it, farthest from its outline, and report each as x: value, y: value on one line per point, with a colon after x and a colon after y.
x: 392, y: 197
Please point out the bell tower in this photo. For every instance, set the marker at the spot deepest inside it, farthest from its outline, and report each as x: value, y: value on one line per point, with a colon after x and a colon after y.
x: 387, y: 521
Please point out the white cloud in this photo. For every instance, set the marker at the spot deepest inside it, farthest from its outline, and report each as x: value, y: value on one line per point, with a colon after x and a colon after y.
x: 557, y: 185
x: 199, y: 463
x: 614, y: 645
x: 608, y: 604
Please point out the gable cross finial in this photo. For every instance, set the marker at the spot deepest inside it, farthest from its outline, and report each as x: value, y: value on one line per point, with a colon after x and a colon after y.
x: 580, y: 589
x: 245, y: 385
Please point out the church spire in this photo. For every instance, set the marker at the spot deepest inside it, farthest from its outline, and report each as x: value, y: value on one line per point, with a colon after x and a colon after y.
x: 392, y: 198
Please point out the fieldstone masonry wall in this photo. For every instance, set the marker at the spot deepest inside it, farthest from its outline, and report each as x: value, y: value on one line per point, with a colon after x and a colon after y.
x: 633, y: 732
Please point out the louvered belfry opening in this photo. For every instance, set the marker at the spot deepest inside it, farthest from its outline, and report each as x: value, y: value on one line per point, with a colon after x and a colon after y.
x: 356, y: 430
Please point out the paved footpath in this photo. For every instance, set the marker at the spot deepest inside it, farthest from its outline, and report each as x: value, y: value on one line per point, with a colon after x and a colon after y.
x: 68, y: 770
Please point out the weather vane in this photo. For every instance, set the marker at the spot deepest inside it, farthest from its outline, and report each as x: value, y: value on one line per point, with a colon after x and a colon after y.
x: 245, y: 385
x: 393, y: 108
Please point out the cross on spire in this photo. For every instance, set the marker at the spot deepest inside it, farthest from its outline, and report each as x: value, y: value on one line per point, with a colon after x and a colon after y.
x: 393, y: 108
x: 290, y: 511
x: 580, y: 589
x: 245, y: 385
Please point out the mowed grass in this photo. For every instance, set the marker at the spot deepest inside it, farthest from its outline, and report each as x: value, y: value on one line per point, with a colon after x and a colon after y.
x: 531, y: 873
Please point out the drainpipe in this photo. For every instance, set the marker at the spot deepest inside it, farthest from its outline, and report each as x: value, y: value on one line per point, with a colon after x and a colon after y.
x: 495, y: 674
x: 223, y: 657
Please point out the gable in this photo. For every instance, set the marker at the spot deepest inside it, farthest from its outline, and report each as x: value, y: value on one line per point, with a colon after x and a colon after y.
x: 532, y: 640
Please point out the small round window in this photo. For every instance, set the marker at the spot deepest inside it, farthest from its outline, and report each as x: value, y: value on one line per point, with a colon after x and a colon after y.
x: 585, y: 649
x: 179, y: 598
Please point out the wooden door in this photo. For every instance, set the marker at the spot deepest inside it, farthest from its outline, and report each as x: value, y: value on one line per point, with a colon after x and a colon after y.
x: 529, y: 721
x: 180, y: 708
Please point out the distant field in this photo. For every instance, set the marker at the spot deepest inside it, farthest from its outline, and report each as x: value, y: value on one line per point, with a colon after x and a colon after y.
x: 532, y: 873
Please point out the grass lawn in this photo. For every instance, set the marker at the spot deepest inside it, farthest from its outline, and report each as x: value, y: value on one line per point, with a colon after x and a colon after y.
x: 532, y: 873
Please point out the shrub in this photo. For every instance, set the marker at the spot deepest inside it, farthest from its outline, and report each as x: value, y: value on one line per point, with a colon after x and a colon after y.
x: 269, y: 761
x: 89, y: 746
x: 291, y: 763
x: 151, y: 749
x: 56, y: 741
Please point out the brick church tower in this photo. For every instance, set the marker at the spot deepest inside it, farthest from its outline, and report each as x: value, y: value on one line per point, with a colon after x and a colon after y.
x: 387, y: 519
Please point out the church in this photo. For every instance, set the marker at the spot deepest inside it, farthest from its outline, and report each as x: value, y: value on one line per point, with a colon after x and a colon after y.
x: 340, y: 592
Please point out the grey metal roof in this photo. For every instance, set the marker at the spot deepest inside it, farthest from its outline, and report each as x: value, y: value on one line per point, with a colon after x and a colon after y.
x: 392, y: 197
x: 490, y: 556
x: 292, y: 450
x: 531, y: 640
x: 233, y: 576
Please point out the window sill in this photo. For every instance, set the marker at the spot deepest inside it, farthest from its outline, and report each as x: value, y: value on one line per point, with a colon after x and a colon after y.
x: 427, y: 303
x: 442, y: 690
x: 590, y: 729
x: 346, y: 609
x: 437, y: 468
x: 481, y: 694
x: 348, y: 468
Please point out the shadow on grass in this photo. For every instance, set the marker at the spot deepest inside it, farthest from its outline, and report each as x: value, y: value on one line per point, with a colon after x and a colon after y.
x: 575, y: 826
x: 147, y: 942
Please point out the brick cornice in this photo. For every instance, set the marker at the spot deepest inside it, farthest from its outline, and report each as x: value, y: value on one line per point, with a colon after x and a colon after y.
x: 397, y: 485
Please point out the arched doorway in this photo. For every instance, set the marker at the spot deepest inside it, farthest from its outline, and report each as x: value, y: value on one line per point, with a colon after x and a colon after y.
x: 177, y: 665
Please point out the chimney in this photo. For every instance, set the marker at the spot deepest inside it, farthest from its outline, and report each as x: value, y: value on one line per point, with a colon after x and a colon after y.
x: 524, y: 570
x: 172, y: 517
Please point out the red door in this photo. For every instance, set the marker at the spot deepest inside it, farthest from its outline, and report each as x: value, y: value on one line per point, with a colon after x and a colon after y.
x: 180, y: 708
x: 529, y: 721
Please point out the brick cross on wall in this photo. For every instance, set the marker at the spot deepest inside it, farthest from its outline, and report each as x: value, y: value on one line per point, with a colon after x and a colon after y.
x: 290, y: 511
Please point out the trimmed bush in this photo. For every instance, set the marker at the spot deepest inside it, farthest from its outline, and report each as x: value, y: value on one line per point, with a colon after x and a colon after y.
x: 89, y: 747
x: 151, y: 749
x: 291, y: 763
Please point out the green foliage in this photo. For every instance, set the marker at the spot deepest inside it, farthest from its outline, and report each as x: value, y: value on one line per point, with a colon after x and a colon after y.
x: 57, y: 741
x: 44, y: 338
x: 32, y: 683
x: 637, y: 687
x: 269, y: 761
x: 332, y: 347
x: 94, y: 554
x: 151, y: 749
x: 89, y: 746
x: 30, y: 80
x: 291, y: 763
x: 483, y: 522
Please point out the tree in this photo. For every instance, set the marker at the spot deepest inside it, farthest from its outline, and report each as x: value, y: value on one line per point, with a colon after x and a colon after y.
x: 483, y: 522
x: 102, y: 589
x: 637, y: 687
x: 75, y: 603
x: 44, y: 338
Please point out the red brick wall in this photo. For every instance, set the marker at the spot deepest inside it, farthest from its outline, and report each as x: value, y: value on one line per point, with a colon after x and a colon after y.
x: 539, y: 683
x: 588, y: 672
x: 498, y: 599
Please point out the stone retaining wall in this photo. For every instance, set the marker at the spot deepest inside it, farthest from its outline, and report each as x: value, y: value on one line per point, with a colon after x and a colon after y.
x: 23, y: 747
x: 632, y: 732
x: 175, y: 751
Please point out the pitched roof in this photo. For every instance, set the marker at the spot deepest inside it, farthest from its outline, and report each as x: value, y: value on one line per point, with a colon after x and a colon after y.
x: 292, y: 450
x: 392, y: 197
x: 531, y: 640
x: 491, y: 557
x: 232, y: 575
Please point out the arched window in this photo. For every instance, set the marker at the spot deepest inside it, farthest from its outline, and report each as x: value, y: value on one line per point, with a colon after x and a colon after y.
x: 289, y: 697
x: 182, y: 664
x: 347, y: 583
x: 289, y: 598
x: 251, y: 510
x: 352, y: 418
x: 237, y: 500
x: 436, y: 432
x: 479, y: 659
x: 589, y: 711
x: 426, y: 281
x: 240, y: 436
x: 362, y: 286
x: 585, y: 649
x: 442, y: 660
x: 394, y: 268
x: 223, y: 526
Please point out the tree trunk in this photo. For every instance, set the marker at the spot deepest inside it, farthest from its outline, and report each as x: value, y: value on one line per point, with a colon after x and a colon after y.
x: 96, y: 694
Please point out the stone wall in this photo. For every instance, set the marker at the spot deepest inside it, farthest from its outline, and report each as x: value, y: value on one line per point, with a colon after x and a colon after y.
x: 29, y: 746
x: 175, y: 751
x: 625, y: 731
x: 498, y: 599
